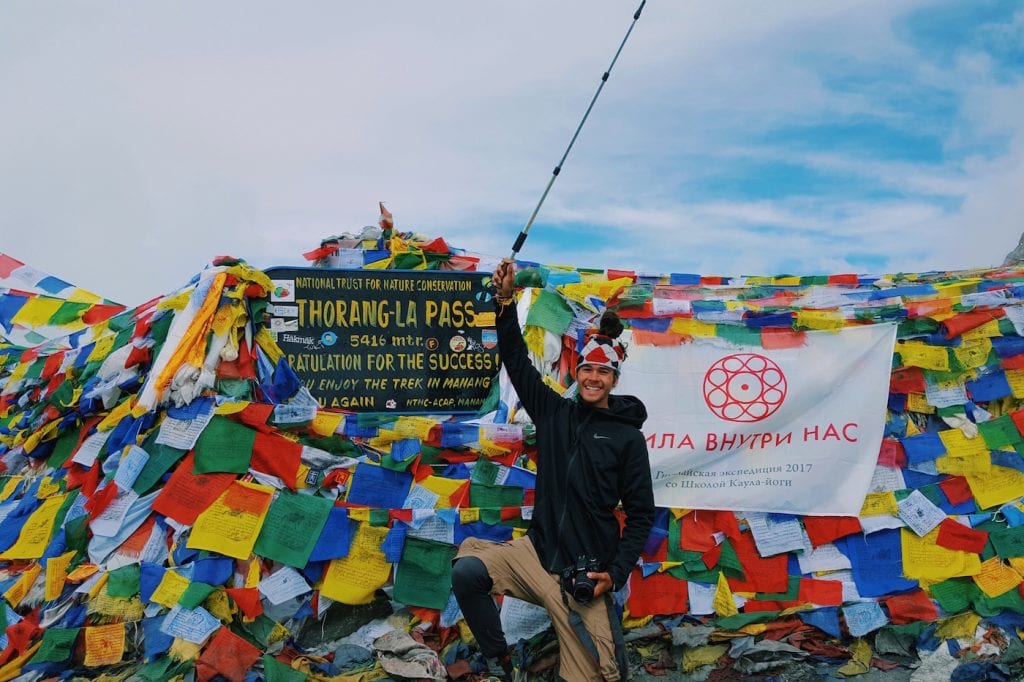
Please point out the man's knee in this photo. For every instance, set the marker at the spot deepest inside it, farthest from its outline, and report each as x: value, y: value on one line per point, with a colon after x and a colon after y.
x: 469, y: 575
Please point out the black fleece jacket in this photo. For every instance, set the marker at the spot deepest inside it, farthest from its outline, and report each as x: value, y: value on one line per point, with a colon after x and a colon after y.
x: 588, y: 460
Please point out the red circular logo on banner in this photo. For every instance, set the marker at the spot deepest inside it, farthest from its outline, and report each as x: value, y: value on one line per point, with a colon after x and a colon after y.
x: 744, y: 387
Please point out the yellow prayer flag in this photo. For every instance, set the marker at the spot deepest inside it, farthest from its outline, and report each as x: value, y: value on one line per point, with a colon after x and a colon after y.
x: 16, y: 592
x: 82, y: 571
x: 989, y: 329
x: 104, y: 644
x: 923, y: 559
x: 231, y: 525
x: 36, y: 531
x: 10, y: 486
x: 973, y: 353
x: 998, y: 486
x: 382, y: 264
x: 37, y: 311
x: 47, y: 487
x: 996, y: 578
x: 722, y: 602
x: 414, y: 427
x: 355, y: 579
x: 820, y: 319
x: 959, y: 445
x: 918, y: 402
x: 960, y: 626
x: 443, y: 487
x: 231, y: 407
x: 104, y: 344
x: 56, y: 574
x: 860, y: 663
x: 1015, y: 377
x: 879, y: 504
x: 695, y: 657
x: 326, y: 423
x: 920, y: 354
x: 691, y: 327
x: 170, y: 589
x: 962, y: 466
x: 361, y: 514
x: 115, y: 415
x: 219, y: 606
x: 252, y: 573
x: 469, y: 514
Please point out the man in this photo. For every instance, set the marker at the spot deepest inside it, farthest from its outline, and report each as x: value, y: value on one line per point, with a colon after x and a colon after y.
x: 590, y: 456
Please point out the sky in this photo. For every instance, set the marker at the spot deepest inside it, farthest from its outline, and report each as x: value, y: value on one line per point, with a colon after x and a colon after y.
x: 139, y: 141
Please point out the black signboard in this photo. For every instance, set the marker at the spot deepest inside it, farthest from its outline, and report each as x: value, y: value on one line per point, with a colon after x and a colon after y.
x: 387, y: 340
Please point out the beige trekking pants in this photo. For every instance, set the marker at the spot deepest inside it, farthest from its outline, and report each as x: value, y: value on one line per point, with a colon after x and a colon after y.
x: 516, y: 570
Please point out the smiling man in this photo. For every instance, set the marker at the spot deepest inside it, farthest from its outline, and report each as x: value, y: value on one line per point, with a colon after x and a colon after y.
x: 591, y: 456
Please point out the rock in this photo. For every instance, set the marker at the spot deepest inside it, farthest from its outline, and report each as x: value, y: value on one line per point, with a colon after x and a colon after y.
x: 342, y: 620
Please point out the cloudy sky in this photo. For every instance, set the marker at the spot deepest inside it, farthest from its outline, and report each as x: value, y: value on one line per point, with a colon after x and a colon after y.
x: 140, y: 140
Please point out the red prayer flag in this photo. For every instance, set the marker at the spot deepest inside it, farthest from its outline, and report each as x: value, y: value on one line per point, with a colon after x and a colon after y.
x: 186, y: 494
x: 955, y: 535
x: 762, y: 574
x: 659, y: 594
x: 228, y: 655
x: 911, y: 607
x: 821, y: 592
x: 277, y: 456
x: 825, y: 529
x: 956, y: 489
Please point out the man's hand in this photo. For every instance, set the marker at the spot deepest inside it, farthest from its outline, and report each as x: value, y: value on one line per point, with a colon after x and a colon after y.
x: 602, y: 583
x: 505, y: 279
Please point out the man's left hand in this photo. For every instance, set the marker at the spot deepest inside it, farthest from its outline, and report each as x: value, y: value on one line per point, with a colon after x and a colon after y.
x: 602, y: 582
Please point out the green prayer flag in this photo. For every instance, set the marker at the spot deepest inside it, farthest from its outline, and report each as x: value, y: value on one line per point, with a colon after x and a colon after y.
x: 161, y: 459
x: 64, y: 446
x: 276, y: 671
x: 485, y: 472
x: 64, y: 396
x: 999, y: 432
x: 991, y: 606
x: 57, y: 645
x: 259, y: 630
x: 195, y: 594
x: 124, y: 581
x: 1008, y: 542
x: 292, y: 527
x: 740, y: 335
x: 743, y: 619
x: 483, y: 495
x: 224, y: 446
x: 551, y: 312
x: 954, y: 595
x: 424, y: 575
x: 68, y: 312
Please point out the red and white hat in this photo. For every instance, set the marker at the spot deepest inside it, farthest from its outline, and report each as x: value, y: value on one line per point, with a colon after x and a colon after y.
x: 604, y: 351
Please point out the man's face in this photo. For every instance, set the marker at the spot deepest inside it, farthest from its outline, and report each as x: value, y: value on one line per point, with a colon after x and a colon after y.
x: 595, y: 384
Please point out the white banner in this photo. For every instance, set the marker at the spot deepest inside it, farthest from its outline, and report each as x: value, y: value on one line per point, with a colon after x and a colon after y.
x: 792, y: 430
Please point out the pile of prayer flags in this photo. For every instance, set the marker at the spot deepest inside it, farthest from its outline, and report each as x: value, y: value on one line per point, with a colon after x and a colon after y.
x: 172, y: 499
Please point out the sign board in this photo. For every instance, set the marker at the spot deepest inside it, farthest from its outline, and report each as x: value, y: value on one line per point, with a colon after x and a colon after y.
x: 387, y: 340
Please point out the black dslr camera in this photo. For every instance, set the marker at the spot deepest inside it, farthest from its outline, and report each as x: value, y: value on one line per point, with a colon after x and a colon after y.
x: 575, y: 580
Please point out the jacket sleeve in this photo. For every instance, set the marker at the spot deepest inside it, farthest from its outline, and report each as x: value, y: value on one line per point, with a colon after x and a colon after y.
x: 637, y: 495
x: 537, y: 398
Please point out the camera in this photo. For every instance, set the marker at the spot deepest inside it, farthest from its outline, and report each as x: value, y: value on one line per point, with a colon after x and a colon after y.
x: 575, y: 580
